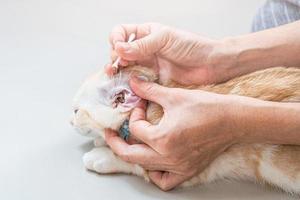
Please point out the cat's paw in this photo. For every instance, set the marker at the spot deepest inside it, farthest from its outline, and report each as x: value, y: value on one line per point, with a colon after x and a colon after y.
x: 99, y: 142
x: 100, y: 160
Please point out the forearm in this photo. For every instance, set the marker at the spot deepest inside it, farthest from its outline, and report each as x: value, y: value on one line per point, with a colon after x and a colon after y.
x: 269, y: 48
x: 267, y: 122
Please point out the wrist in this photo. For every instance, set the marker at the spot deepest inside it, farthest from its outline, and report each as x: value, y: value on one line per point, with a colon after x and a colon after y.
x: 223, y: 60
x: 244, y: 54
x: 235, y: 56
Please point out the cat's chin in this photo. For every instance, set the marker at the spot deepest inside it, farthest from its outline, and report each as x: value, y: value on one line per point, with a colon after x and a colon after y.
x: 87, y: 132
x: 92, y: 134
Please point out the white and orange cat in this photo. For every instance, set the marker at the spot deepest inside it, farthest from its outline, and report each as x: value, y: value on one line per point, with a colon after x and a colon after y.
x: 104, y: 102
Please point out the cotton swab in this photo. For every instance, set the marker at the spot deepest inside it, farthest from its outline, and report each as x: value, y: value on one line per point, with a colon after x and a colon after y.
x: 115, y: 65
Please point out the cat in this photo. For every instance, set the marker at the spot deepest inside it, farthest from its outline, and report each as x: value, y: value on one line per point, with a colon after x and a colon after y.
x: 105, y: 102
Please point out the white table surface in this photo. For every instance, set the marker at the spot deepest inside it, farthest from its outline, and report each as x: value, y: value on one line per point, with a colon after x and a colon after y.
x: 47, y: 47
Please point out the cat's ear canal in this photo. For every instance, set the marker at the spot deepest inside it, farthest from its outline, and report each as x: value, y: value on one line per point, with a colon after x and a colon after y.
x: 125, y: 100
x: 117, y: 95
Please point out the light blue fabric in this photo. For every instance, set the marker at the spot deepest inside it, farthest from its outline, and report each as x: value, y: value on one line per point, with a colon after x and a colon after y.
x: 275, y: 13
x: 124, y: 130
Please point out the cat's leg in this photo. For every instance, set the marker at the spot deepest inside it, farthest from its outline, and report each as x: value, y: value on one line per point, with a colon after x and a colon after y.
x: 102, y: 160
x: 279, y: 166
x: 99, y: 142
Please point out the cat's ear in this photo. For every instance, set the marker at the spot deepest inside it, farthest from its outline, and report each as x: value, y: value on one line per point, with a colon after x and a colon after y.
x: 119, y: 97
x: 124, y: 99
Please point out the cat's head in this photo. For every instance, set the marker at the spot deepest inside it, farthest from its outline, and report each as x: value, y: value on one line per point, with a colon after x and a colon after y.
x: 106, y: 102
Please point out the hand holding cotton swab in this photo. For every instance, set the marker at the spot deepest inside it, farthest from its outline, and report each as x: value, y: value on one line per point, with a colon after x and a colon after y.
x: 115, y: 65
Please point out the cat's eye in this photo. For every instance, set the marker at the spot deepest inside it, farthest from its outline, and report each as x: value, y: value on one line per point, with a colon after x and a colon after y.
x: 75, y: 110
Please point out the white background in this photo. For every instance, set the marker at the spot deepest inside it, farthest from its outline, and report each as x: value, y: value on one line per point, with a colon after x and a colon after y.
x: 47, y: 47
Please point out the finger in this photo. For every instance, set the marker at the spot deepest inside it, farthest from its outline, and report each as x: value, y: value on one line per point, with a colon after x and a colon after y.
x: 109, y: 70
x: 139, y: 112
x: 136, y: 153
x: 144, y: 47
x: 151, y: 91
x: 120, y: 33
x: 113, y: 56
x: 166, y: 180
x: 123, y: 63
x: 138, y: 126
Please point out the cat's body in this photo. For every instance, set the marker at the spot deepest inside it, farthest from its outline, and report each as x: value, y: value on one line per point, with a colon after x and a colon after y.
x: 277, y: 165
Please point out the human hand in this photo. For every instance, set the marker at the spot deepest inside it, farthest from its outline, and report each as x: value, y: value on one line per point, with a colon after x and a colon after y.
x: 181, y: 56
x: 193, y: 131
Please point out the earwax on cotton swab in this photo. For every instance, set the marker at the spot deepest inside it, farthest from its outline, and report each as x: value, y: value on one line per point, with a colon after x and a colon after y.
x: 115, y: 65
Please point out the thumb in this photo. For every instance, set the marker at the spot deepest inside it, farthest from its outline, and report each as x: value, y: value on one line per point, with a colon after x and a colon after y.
x: 151, y: 91
x: 143, y: 47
